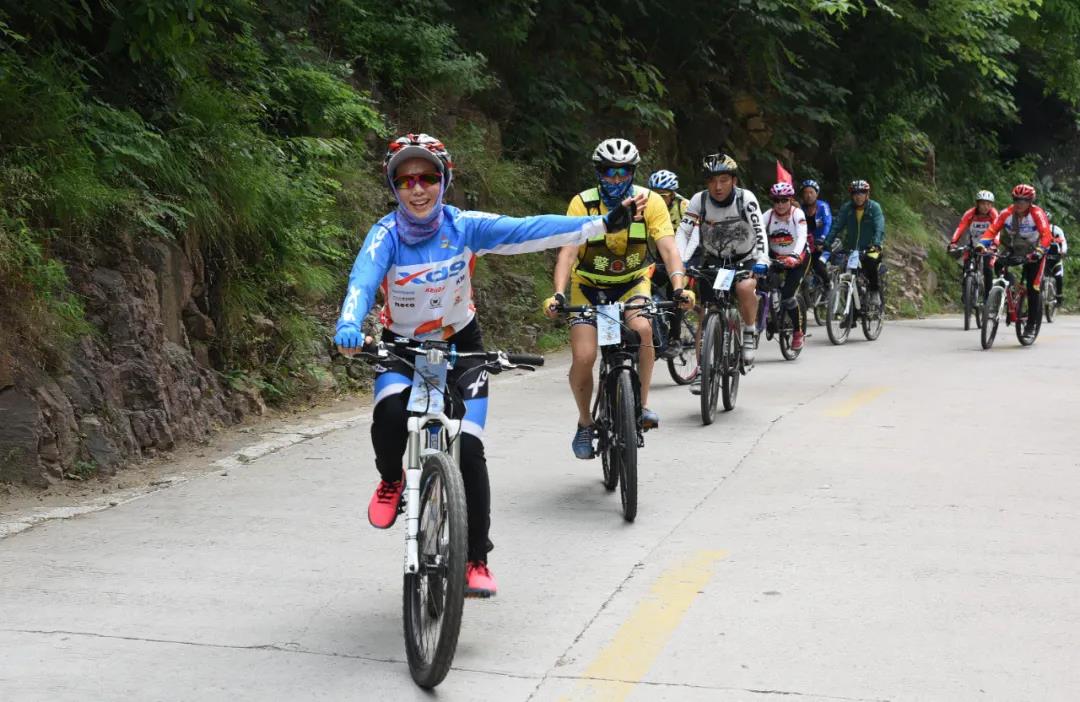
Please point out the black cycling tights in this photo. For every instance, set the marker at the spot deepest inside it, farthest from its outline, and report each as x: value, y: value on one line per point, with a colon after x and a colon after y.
x: 870, y: 267
x: 389, y: 436
x: 792, y: 278
x: 820, y: 268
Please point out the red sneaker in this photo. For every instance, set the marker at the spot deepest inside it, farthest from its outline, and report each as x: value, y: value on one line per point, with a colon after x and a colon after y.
x: 797, y: 340
x: 382, y: 511
x: 479, y: 582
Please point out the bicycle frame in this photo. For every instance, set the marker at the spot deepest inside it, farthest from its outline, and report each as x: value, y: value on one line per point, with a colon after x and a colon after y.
x: 1010, y: 299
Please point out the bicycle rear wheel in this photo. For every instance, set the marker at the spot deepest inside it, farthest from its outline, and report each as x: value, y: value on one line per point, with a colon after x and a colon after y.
x: 1023, y: 313
x: 968, y: 299
x: 711, y: 367
x: 683, y: 365
x: 433, y: 597
x: 1049, y: 299
x: 837, y: 324
x: 731, y: 362
x: 626, y: 438
x: 990, y: 316
x: 609, y: 459
x: 787, y: 332
x: 977, y: 304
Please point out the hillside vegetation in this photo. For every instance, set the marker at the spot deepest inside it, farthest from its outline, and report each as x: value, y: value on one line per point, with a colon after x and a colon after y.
x: 234, y: 146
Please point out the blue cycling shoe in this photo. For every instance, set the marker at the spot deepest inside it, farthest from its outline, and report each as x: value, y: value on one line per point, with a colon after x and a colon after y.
x: 583, y: 443
x: 649, y: 419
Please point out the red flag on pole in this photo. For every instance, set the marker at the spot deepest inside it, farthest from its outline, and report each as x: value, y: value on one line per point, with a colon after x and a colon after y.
x: 782, y: 176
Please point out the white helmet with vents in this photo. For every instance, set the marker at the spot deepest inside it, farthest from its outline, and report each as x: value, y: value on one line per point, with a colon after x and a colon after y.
x: 616, y: 152
x: 984, y: 195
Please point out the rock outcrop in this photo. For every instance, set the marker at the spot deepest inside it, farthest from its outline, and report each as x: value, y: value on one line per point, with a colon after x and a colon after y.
x: 138, y: 385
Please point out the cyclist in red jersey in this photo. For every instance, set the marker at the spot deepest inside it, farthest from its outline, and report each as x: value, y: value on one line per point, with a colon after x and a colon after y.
x: 1022, y: 229
x: 972, y: 229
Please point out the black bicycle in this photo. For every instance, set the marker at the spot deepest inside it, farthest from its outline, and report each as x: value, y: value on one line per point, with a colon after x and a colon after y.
x: 675, y: 335
x: 616, y: 411
x: 436, y: 535
x: 814, y: 292
x: 1055, y: 266
x: 721, y: 363
x: 971, y: 286
x: 773, y: 320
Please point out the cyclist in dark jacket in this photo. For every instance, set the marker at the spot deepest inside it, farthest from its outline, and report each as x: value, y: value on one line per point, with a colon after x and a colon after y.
x: 861, y: 223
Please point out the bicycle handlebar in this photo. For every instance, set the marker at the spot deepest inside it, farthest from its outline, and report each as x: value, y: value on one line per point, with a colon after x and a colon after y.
x: 411, y: 347
x: 591, y: 309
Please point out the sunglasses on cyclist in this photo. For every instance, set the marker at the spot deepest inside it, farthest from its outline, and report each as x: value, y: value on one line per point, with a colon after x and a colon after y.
x: 620, y: 172
x: 777, y: 200
x: 1018, y: 200
x: 860, y: 192
x: 408, y: 182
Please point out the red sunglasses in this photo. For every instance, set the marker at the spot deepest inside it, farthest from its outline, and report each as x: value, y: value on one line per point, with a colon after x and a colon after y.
x: 408, y: 182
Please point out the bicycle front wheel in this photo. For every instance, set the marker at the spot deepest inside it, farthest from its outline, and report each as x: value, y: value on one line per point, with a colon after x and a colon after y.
x: 873, y: 322
x: 683, y: 364
x: 712, y: 367
x: 990, y: 317
x: 836, y: 318
x: 433, y: 597
x: 627, y: 439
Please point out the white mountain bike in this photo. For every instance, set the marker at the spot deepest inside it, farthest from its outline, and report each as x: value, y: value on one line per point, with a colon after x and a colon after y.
x: 436, y: 536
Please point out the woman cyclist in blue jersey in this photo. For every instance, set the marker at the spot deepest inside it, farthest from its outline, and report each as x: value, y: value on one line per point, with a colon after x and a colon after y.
x: 422, y: 256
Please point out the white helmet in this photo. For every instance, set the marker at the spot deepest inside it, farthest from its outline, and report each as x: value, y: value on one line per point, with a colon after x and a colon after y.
x: 618, y: 152
x: 984, y: 195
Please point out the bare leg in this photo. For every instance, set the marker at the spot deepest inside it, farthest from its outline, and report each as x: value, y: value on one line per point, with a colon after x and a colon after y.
x: 646, y: 353
x: 746, y: 292
x: 583, y: 358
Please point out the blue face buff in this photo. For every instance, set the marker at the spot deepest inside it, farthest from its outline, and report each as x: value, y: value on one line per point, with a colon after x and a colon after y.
x: 613, y: 193
x: 413, y: 230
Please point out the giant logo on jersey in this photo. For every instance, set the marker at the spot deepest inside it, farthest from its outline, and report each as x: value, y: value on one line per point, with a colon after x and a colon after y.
x: 432, y: 275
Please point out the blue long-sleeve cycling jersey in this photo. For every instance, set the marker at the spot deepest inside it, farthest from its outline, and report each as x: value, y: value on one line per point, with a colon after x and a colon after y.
x: 820, y: 224
x: 428, y: 287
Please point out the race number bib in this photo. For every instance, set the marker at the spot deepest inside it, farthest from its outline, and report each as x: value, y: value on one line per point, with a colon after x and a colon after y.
x: 724, y: 278
x: 608, y: 324
x: 428, y: 387
x: 853, y: 260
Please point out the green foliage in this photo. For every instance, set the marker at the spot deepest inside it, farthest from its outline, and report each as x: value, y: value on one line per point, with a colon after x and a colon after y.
x: 248, y: 131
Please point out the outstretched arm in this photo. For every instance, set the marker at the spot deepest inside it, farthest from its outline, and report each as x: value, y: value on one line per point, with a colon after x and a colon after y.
x: 369, y: 269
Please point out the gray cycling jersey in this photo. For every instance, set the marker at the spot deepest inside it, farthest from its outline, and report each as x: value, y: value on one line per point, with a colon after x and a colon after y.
x: 735, y: 231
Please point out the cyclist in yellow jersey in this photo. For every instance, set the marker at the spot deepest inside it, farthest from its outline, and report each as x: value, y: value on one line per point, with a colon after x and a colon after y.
x: 614, y: 268
x: 666, y: 185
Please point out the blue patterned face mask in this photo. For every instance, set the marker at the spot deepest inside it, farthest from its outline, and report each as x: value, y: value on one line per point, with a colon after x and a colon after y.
x: 613, y: 193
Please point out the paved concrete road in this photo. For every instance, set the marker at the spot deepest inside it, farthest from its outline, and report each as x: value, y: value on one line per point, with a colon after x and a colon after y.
x: 897, y: 520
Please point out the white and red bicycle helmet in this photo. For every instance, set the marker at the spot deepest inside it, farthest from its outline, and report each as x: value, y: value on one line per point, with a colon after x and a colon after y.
x: 1023, y: 192
x: 418, y: 146
x: 781, y: 190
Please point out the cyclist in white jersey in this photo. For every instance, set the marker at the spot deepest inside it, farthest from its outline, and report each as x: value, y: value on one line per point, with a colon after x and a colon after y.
x: 785, y: 227
x: 724, y: 222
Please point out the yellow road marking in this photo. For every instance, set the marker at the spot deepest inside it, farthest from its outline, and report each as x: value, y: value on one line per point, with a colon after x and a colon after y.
x: 642, y: 637
x: 846, y: 409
